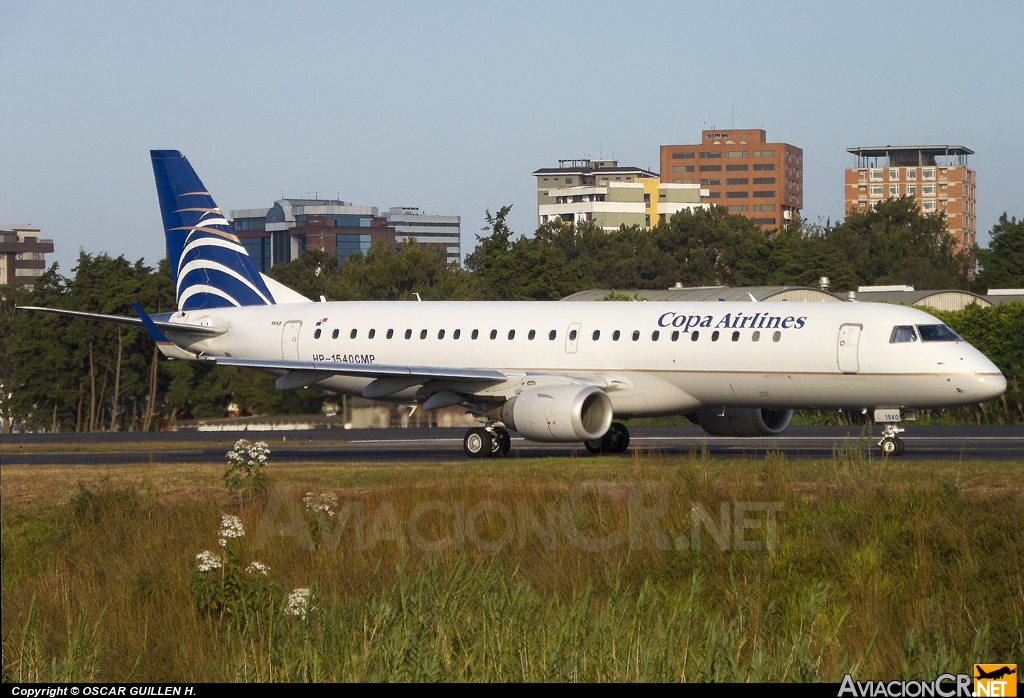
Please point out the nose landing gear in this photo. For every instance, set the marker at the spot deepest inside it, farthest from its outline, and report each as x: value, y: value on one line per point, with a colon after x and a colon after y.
x: 891, y: 444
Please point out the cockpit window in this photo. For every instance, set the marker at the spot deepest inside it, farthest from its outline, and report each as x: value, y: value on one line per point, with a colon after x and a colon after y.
x: 937, y: 333
x: 903, y: 333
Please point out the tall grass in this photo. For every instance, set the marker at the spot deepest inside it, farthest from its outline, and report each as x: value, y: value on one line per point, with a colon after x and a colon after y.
x: 878, y: 569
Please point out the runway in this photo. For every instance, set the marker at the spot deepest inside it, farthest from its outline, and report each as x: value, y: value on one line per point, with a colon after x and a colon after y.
x: 426, y: 445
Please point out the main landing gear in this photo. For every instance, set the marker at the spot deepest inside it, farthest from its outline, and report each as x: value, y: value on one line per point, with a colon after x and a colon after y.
x: 615, y: 440
x: 487, y: 442
x: 891, y: 444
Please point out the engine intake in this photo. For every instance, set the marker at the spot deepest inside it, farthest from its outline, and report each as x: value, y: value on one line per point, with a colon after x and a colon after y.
x: 559, y: 413
x: 739, y: 422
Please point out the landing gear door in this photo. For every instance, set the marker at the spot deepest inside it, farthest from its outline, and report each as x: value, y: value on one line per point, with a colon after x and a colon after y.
x: 290, y: 340
x: 849, y: 340
x: 572, y: 338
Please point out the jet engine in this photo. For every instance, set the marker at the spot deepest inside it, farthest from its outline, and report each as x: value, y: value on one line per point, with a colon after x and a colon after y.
x: 740, y: 422
x: 559, y: 413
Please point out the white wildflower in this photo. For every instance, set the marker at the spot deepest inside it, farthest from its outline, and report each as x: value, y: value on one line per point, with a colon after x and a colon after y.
x: 324, y: 503
x: 208, y: 561
x: 257, y: 568
x: 222, y: 542
x: 299, y: 603
x: 230, y: 527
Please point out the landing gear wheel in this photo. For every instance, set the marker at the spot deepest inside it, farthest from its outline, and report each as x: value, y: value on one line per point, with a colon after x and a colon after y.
x: 890, y: 446
x: 615, y: 440
x: 478, y: 443
x: 501, y: 443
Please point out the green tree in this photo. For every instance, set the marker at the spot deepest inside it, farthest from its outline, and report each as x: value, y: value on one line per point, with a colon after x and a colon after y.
x: 1003, y: 261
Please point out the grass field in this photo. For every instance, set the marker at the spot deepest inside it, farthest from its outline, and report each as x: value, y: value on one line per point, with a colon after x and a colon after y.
x: 639, y: 568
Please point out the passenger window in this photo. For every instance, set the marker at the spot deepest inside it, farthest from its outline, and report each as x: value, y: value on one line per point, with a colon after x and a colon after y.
x: 552, y: 334
x: 902, y: 333
x: 334, y: 335
x: 423, y: 334
x: 390, y: 334
x: 596, y: 336
x: 615, y: 336
x: 511, y: 334
x: 456, y: 334
x: 572, y: 336
x: 777, y: 336
x: 316, y: 335
x: 533, y: 333
x: 937, y: 333
x: 735, y: 336
x: 372, y: 334
x: 714, y: 336
x: 636, y: 335
x: 694, y: 336
x: 408, y: 334
x: 756, y: 337
x: 440, y: 334
x: 655, y: 335
x: 352, y: 335
x: 675, y: 336
x: 494, y: 334
x: 476, y: 333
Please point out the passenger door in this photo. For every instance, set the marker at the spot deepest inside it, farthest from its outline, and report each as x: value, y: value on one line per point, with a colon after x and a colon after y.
x: 849, y: 339
x: 290, y: 340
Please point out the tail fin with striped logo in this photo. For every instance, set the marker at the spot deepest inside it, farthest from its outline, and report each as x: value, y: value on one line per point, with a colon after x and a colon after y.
x: 210, y: 267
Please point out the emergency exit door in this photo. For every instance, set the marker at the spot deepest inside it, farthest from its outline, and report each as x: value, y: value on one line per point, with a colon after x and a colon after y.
x: 572, y: 338
x: 849, y: 339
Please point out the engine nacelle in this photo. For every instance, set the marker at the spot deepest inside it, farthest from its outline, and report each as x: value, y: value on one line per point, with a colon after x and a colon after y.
x: 559, y: 413
x: 739, y: 422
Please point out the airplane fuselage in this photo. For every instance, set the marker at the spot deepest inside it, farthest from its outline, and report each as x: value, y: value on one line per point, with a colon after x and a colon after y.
x: 651, y: 358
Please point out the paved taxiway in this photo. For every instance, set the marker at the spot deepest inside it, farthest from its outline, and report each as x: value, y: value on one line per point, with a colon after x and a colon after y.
x: 422, y: 444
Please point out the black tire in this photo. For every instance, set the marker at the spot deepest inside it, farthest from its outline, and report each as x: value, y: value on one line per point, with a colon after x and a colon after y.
x: 900, y: 446
x: 890, y: 446
x: 502, y: 443
x: 595, y: 446
x: 478, y: 443
x: 617, y: 438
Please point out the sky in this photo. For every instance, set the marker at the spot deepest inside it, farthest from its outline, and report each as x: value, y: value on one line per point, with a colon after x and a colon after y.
x: 451, y: 106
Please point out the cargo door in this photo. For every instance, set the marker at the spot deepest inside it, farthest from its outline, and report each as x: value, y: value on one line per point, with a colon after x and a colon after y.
x: 290, y: 340
x: 849, y: 340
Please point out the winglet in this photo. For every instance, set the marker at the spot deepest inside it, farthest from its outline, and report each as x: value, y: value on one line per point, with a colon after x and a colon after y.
x: 166, y: 346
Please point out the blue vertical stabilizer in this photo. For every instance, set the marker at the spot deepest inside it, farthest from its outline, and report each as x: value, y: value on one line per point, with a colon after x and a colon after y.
x: 209, y: 266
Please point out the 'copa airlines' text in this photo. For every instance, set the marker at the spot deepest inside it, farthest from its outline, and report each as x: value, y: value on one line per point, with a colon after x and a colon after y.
x: 739, y: 321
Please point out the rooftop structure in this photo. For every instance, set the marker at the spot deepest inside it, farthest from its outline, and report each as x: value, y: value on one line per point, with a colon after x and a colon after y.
x: 935, y: 176
x: 22, y: 253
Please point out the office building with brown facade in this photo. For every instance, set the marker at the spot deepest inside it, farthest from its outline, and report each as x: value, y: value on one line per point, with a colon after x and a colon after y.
x: 935, y: 176
x: 742, y: 171
x: 22, y: 254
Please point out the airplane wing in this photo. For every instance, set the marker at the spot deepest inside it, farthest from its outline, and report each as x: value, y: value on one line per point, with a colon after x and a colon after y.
x: 302, y: 373
x: 134, y: 321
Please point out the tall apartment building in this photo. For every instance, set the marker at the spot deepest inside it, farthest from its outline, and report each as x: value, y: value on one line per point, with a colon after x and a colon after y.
x: 936, y: 176
x: 442, y: 233
x: 22, y: 254
x: 609, y: 195
x: 742, y: 171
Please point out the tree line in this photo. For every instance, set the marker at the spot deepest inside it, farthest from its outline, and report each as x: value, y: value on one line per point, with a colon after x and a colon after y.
x: 74, y: 375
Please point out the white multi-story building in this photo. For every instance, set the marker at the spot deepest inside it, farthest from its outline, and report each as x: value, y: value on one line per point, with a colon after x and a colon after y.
x: 437, y: 232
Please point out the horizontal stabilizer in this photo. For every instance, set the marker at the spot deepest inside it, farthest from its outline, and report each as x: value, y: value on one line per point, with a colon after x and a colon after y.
x: 172, y: 327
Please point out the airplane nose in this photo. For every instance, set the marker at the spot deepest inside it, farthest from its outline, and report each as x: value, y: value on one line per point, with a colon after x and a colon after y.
x: 991, y: 386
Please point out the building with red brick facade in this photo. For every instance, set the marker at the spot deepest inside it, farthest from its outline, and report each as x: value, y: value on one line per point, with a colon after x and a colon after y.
x: 936, y: 176
x: 742, y: 171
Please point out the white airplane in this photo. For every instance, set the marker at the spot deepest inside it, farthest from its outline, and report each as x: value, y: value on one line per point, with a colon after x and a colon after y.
x: 554, y: 372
